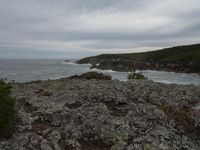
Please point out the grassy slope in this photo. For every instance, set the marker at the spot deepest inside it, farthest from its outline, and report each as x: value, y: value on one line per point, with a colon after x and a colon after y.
x: 180, y: 54
x: 185, y: 58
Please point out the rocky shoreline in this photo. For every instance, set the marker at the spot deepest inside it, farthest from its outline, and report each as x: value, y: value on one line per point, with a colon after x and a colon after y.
x: 181, y: 59
x: 80, y: 114
x: 127, y: 65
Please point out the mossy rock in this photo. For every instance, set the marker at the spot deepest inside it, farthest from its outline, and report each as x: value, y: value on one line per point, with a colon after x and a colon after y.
x: 137, y: 76
x: 8, y: 113
x: 95, y: 75
x: 75, y: 77
x: 181, y: 115
x: 44, y: 92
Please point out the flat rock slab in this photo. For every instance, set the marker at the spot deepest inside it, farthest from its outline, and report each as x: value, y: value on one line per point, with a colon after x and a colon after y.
x: 102, y: 115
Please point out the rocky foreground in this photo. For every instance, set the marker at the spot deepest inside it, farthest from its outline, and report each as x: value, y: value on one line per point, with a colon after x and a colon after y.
x: 79, y: 114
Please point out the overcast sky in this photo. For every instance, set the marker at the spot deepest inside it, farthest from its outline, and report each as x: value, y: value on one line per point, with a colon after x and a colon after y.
x: 79, y: 28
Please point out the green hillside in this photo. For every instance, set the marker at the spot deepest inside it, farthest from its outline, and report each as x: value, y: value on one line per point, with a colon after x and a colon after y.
x: 178, y: 59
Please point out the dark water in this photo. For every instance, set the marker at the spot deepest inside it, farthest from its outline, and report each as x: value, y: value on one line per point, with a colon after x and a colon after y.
x: 29, y: 70
x: 159, y: 76
x: 22, y: 70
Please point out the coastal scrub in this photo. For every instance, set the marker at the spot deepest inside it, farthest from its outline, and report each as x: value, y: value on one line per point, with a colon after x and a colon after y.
x: 7, y: 110
x: 96, y: 75
x: 92, y: 75
x: 137, y: 76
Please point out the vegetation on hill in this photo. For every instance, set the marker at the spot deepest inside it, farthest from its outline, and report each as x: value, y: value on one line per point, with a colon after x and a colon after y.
x: 7, y: 110
x: 93, y: 75
x: 178, y: 59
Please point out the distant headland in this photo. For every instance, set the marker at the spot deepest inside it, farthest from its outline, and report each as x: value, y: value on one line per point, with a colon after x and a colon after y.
x: 177, y: 59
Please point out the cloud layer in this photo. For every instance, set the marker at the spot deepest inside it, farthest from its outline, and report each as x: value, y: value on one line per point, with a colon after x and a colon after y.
x: 77, y: 28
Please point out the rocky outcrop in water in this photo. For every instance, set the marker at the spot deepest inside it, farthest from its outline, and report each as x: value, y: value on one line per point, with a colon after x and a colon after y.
x: 81, y: 114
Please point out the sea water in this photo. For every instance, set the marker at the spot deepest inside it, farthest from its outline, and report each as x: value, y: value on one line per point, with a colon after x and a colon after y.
x: 24, y: 70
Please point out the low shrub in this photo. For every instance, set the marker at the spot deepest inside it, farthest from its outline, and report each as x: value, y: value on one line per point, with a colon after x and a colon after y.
x: 44, y: 92
x: 36, y: 81
x: 75, y: 77
x: 95, y: 75
x: 8, y: 112
x: 92, y: 75
x: 137, y: 76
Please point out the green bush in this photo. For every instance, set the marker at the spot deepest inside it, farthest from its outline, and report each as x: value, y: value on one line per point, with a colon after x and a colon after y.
x: 44, y: 92
x: 7, y: 110
x: 136, y: 76
x: 95, y: 75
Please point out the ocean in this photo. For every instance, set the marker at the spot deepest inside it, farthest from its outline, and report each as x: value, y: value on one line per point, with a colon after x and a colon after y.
x: 24, y: 70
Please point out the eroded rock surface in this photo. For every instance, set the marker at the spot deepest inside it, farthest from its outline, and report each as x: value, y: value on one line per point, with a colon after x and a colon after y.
x: 103, y: 115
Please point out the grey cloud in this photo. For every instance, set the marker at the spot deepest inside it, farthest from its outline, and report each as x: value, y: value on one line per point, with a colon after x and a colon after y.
x: 89, y: 27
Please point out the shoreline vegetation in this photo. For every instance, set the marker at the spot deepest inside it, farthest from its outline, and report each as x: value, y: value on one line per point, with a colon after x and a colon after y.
x: 182, y: 59
x: 91, y: 111
x: 8, y: 111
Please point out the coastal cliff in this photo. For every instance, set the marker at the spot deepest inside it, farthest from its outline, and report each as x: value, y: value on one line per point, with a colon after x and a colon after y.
x: 80, y: 114
x: 177, y: 59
